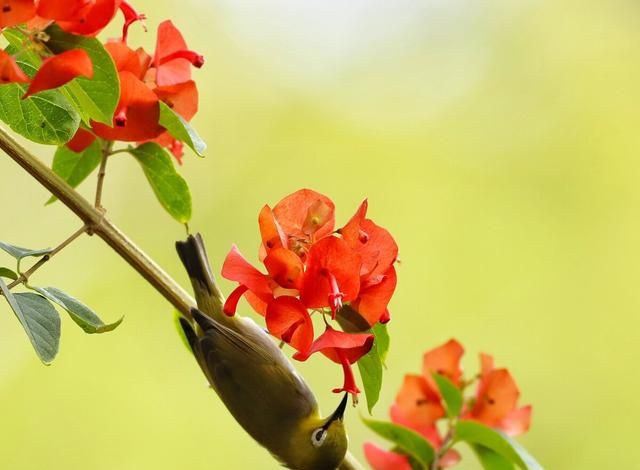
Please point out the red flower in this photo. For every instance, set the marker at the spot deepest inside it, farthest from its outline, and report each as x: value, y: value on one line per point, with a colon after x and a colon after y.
x: 381, y: 459
x: 331, y: 276
x: 137, y: 113
x: 173, y: 59
x: 60, y: 69
x: 14, y: 12
x: 342, y: 348
x: 10, y: 72
x: 496, y: 399
x: 417, y: 405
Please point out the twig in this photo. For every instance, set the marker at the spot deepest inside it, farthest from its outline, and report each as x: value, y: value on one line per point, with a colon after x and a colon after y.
x: 24, y: 276
x: 106, y: 151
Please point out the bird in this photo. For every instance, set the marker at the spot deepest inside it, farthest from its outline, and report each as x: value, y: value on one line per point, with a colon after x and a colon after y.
x: 254, y: 379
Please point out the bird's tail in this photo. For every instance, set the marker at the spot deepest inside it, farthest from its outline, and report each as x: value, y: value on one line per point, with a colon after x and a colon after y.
x: 194, y: 258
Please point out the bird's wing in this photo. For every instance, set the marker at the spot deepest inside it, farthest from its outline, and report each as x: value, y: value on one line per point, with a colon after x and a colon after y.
x: 254, y: 379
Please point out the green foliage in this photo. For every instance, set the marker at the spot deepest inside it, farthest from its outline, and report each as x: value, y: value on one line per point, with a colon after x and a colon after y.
x: 94, y: 98
x: 370, y: 365
x: 75, y: 167
x: 18, y: 252
x: 491, y: 460
x: 8, y: 273
x: 407, y: 440
x: 39, y: 319
x: 79, y: 312
x: 451, y: 395
x: 181, y: 129
x: 479, y: 434
x: 170, y: 188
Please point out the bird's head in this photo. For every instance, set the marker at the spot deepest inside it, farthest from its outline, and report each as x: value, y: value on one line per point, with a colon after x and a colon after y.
x: 321, y: 443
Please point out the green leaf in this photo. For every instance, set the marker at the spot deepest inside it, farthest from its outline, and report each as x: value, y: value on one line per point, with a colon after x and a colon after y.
x: 450, y: 393
x: 370, y: 367
x: 75, y: 167
x: 170, y: 188
x: 79, y: 312
x: 181, y: 129
x: 39, y: 319
x: 18, y: 252
x: 8, y: 273
x: 383, y: 340
x: 476, y: 433
x: 490, y: 460
x: 406, y: 439
x: 44, y: 118
x: 94, y: 98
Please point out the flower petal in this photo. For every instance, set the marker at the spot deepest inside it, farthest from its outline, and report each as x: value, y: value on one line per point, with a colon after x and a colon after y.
x: 60, y: 69
x: 237, y: 268
x: 14, y: 12
x: 169, y: 41
x: 373, y: 299
x: 270, y: 231
x: 444, y: 360
x: 10, y: 72
x: 330, y: 256
x: 306, y: 212
x: 81, y: 140
x: 381, y: 459
x: 517, y: 421
x: 497, y: 398
x: 416, y: 405
x: 288, y: 320
x: 181, y: 98
x: 285, y: 267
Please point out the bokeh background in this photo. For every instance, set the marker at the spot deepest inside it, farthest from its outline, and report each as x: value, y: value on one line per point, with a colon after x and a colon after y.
x: 497, y: 140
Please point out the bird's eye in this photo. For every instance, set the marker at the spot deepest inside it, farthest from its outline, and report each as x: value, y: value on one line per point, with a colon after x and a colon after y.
x: 318, y: 436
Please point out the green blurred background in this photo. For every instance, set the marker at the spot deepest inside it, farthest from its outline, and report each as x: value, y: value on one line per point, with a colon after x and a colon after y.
x: 497, y: 140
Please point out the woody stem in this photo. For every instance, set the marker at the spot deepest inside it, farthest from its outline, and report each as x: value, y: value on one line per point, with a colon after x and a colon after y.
x: 97, y: 223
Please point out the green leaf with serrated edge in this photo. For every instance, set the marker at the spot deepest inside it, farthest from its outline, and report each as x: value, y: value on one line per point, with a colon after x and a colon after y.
x: 406, y: 439
x: 39, y: 319
x: 8, y: 273
x: 97, y: 97
x: 476, y: 433
x: 181, y: 130
x: 491, y: 460
x: 84, y: 317
x: 75, y: 167
x: 18, y: 252
x: 170, y: 188
x: 383, y: 341
x: 451, y: 395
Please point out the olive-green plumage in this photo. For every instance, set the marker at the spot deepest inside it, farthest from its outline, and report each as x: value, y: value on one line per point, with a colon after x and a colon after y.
x: 255, y: 380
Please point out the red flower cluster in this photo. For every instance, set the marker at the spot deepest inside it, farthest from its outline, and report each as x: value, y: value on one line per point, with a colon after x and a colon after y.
x: 145, y: 80
x: 313, y: 269
x: 419, y: 406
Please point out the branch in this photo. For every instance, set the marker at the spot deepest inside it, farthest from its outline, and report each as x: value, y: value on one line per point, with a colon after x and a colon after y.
x: 98, y: 224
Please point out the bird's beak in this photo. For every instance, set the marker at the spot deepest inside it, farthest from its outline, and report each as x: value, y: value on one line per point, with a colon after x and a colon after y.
x: 339, y: 413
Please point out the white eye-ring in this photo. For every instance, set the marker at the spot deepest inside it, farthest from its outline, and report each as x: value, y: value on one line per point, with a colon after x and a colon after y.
x: 318, y: 436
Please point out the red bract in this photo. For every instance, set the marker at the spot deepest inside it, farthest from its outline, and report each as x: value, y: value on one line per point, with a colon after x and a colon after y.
x: 81, y: 140
x: 342, y: 348
x: 496, y: 399
x: 14, y: 12
x: 10, y: 72
x: 60, y: 69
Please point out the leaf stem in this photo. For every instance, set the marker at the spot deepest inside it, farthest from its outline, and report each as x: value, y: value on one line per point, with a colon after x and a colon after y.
x: 24, y: 276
